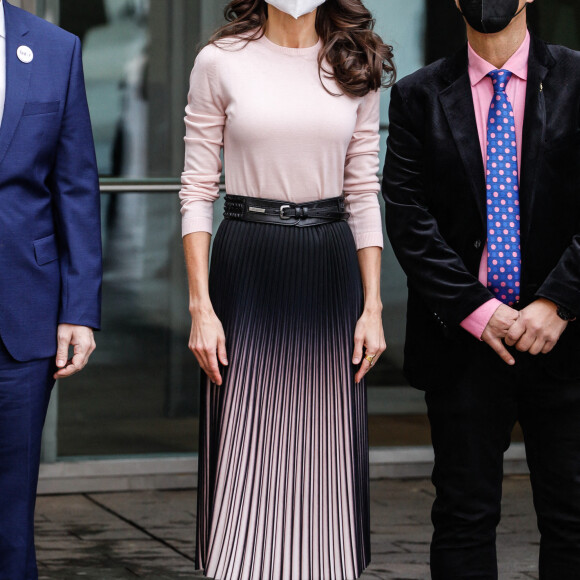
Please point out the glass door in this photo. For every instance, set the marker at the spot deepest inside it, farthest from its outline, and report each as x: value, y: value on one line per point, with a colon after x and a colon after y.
x: 139, y: 395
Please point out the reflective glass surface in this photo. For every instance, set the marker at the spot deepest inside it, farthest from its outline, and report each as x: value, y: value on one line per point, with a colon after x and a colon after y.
x: 140, y: 393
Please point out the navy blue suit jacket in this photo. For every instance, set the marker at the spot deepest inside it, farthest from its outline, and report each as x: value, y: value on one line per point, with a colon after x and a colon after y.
x: 50, y: 238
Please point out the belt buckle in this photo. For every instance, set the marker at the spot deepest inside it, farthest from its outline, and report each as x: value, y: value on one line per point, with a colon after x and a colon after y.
x: 282, y: 215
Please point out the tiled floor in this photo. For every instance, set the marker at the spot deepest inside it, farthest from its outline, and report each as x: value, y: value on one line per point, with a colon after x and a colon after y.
x: 150, y: 535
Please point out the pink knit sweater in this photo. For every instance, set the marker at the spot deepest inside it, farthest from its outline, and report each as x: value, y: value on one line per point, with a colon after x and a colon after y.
x: 283, y: 136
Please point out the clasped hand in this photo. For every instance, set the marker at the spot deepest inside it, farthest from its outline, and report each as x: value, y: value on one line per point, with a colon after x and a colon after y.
x: 535, y: 329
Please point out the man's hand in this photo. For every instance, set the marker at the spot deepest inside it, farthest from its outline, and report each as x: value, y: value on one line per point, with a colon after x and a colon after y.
x: 497, y: 329
x: 538, y: 328
x: 83, y: 342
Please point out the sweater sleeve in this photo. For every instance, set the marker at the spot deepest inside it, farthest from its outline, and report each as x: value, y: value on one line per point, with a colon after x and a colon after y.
x: 361, y: 182
x: 204, y: 123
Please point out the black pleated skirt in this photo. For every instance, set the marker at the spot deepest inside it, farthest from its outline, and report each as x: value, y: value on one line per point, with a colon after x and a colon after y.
x: 283, y: 455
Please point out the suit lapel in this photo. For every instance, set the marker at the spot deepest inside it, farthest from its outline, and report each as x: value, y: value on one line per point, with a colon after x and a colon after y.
x: 539, y: 64
x: 457, y: 103
x: 17, y: 76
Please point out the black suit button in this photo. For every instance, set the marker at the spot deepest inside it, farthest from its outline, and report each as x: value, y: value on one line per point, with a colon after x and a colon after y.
x: 477, y: 244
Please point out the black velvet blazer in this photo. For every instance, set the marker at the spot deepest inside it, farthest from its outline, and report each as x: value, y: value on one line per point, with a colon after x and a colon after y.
x: 434, y: 188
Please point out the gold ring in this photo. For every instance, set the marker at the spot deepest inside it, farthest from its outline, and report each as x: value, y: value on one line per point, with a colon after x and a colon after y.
x: 370, y: 358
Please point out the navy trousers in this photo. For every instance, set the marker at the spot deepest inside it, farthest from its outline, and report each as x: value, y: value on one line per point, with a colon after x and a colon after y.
x: 24, y: 394
x: 471, y: 423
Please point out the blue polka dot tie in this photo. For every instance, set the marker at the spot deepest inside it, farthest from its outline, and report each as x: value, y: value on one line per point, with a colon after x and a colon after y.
x: 503, y: 211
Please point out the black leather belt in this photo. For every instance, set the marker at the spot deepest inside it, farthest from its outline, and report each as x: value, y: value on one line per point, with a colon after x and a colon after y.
x: 251, y: 209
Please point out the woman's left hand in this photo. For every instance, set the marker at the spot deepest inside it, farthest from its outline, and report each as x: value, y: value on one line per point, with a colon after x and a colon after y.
x: 369, y: 340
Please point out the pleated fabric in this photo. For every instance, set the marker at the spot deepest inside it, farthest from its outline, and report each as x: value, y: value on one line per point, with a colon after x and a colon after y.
x: 283, y: 459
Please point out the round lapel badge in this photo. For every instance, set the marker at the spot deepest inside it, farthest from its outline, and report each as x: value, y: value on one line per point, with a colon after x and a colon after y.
x: 25, y: 54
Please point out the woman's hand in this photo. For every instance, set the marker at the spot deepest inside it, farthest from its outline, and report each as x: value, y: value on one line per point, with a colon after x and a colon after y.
x: 370, y: 337
x: 208, y: 342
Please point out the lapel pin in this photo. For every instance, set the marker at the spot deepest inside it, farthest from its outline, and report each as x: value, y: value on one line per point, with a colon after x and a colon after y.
x: 25, y: 54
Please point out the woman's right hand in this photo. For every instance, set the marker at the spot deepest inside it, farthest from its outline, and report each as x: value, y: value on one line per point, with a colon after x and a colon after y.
x: 208, y: 342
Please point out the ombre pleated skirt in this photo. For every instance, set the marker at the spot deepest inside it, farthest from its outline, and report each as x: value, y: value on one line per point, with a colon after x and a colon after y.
x: 283, y: 456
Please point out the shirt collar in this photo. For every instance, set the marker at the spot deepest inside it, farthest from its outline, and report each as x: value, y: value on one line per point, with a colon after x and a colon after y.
x: 517, y: 64
x: 2, y: 21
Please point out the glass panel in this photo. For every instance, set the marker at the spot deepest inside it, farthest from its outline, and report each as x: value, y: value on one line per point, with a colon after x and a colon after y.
x: 137, y: 57
x: 397, y: 413
x: 558, y: 22
x: 140, y: 394
x: 422, y: 32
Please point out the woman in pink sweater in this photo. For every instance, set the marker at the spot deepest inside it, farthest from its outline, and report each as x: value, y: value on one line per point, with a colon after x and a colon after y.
x: 288, y: 322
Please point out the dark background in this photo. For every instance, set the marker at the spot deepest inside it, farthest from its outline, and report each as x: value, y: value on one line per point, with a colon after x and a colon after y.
x: 556, y: 21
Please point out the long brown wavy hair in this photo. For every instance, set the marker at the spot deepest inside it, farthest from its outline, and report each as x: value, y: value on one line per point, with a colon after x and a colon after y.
x: 358, y: 58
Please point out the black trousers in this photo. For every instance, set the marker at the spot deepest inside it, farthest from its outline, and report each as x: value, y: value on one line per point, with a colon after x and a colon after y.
x: 471, y: 423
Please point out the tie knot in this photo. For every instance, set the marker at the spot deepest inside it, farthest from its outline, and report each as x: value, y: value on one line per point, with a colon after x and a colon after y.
x: 500, y: 79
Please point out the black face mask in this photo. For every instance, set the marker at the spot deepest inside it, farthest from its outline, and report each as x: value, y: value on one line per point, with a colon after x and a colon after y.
x: 489, y: 16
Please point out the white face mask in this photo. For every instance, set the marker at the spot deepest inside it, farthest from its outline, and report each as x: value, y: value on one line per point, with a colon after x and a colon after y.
x: 296, y: 8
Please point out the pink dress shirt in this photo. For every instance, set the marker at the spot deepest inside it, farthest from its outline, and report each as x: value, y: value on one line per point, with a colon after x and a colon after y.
x: 482, y: 91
